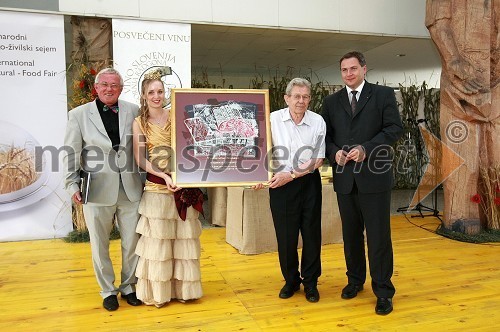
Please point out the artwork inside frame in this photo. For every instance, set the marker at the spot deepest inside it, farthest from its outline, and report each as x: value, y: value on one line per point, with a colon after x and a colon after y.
x: 220, y: 138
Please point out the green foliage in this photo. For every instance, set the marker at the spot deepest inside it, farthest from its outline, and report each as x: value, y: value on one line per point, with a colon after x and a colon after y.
x: 83, y: 85
x: 431, y: 108
x: 277, y: 82
x: 318, y: 93
x: 409, y: 169
x: 490, y: 235
x: 77, y: 236
x: 201, y: 81
x: 277, y: 87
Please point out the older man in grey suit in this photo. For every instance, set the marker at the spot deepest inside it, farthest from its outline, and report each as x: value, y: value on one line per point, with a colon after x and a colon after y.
x: 99, y: 141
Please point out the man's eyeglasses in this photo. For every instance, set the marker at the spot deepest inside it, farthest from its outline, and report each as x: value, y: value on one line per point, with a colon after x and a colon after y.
x: 113, y: 86
x: 298, y: 97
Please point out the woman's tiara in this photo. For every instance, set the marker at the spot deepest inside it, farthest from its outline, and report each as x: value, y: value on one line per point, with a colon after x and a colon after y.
x: 158, y: 73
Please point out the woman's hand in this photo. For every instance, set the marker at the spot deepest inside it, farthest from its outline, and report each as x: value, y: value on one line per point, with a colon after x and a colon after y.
x: 170, y: 184
x: 259, y: 186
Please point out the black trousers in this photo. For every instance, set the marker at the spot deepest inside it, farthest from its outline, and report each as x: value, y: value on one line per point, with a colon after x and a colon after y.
x: 296, y: 207
x: 358, y: 212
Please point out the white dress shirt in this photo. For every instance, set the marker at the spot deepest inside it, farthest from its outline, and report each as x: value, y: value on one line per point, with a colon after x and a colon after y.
x: 295, y: 144
x: 358, y: 89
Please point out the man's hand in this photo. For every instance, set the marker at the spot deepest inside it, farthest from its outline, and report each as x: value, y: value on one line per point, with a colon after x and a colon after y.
x: 341, y: 157
x: 77, y: 198
x: 280, y: 179
x: 356, y: 154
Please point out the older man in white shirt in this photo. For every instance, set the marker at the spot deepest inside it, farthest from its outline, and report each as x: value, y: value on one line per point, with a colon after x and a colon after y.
x: 295, y: 189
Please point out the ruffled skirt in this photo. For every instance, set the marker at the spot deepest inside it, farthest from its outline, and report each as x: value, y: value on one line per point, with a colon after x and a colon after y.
x: 168, y: 250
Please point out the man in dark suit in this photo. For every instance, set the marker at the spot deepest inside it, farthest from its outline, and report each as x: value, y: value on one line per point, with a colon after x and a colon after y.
x: 362, y: 123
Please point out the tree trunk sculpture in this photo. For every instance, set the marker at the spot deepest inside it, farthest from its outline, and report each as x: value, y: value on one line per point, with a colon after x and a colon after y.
x: 466, y: 35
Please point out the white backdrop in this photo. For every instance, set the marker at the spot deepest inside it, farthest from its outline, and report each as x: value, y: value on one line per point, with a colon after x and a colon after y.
x: 33, y: 113
x: 141, y: 45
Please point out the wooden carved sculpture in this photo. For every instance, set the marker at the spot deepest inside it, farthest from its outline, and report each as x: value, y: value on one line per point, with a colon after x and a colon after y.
x: 466, y: 35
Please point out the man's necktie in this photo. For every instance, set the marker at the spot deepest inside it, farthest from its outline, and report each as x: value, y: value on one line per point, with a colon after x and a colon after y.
x: 354, y: 101
x: 113, y: 108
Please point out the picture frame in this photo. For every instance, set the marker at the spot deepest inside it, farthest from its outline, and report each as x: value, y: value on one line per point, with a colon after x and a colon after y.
x: 220, y: 137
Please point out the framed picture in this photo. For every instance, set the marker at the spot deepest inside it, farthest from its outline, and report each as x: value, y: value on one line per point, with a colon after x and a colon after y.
x: 220, y: 138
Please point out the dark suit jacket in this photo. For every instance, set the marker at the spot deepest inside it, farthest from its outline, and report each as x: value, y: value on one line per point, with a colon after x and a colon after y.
x: 376, y: 125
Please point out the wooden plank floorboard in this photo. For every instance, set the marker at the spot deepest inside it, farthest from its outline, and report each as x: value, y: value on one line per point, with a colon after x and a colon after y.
x: 441, y: 285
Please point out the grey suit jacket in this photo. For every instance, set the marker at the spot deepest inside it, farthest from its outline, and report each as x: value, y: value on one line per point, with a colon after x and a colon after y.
x: 89, y: 148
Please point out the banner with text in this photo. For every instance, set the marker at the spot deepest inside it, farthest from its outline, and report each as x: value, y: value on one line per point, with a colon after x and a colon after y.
x: 139, y: 46
x: 33, y: 204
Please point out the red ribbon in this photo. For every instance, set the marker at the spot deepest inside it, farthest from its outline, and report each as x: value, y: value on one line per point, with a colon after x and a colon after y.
x: 184, y: 198
x: 155, y: 179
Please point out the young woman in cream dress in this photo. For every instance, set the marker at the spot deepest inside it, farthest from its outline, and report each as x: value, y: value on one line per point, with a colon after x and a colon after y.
x: 169, y: 247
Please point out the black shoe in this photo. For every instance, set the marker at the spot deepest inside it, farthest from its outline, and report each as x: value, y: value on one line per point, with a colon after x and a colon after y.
x: 312, y: 294
x: 384, y: 306
x: 288, y: 290
x: 132, y: 299
x: 350, y: 291
x: 110, y: 303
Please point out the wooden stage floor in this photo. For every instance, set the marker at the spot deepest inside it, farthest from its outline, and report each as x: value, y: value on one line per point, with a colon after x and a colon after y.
x: 442, y: 285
